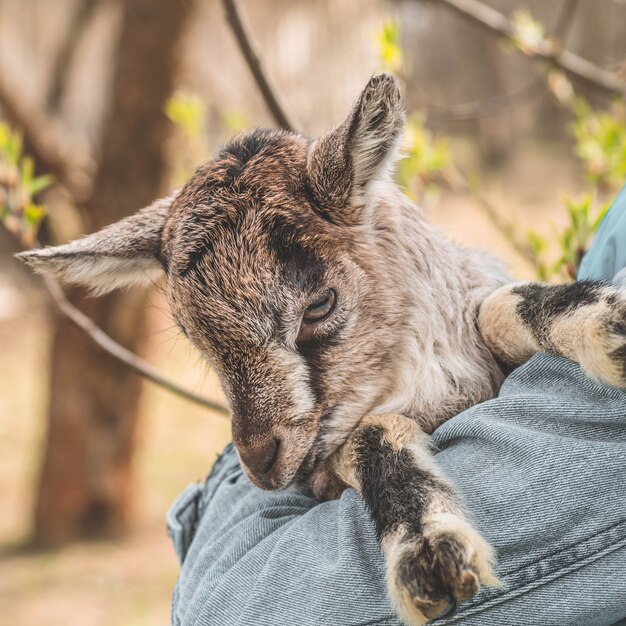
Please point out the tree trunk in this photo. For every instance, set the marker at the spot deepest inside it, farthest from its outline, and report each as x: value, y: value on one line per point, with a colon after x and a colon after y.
x: 86, y: 486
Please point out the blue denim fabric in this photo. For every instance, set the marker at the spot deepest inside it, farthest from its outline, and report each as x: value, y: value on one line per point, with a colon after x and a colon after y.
x: 607, y: 254
x: 542, y: 469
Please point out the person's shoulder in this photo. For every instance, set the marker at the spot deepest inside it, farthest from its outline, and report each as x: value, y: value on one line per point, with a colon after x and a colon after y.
x: 607, y: 254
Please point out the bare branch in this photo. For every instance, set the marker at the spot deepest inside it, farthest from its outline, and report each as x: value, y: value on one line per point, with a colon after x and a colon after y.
x: 494, y: 105
x: 461, y: 112
x: 63, y: 62
x: 564, y: 21
x: 125, y: 356
x: 575, y: 66
x: 44, y: 142
x: 486, y: 107
x: 506, y: 227
x: 248, y: 50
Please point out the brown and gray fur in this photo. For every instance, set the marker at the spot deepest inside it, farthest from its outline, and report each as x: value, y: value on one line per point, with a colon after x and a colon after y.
x: 421, y: 328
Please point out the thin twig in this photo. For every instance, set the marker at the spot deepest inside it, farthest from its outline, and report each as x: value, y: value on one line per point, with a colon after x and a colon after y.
x: 122, y: 354
x: 575, y: 66
x: 460, y: 184
x: 506, y: 227
x: 486, y: 107
x: 249, y: 51
x: 500, y: 103
x: 44, y: 142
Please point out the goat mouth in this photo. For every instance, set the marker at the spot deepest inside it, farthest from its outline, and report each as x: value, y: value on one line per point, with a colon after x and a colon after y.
x: 312, y: 459
x: 276, y: 481
x: 315, y: 454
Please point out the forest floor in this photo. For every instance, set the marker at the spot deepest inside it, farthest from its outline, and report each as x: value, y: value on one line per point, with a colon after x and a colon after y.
x: 128, y: 582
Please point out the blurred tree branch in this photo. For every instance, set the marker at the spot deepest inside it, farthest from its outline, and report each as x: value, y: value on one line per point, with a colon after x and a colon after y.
x: 123, y: 355
x: 43, y: 140
x: 486, y: 107
x: 564, y: 21
x: 545, y: 50
x: 497, y: 104
x: 458, y: 182
x: 130, y: 359
x: 63, y: 62
x: 51, y: 154
x: 243, y: 36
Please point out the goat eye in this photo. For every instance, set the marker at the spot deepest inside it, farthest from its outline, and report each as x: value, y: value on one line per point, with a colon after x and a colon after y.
x: 321, y: 308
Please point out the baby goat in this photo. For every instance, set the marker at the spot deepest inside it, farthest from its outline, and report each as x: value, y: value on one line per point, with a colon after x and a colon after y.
x: 345, y: 328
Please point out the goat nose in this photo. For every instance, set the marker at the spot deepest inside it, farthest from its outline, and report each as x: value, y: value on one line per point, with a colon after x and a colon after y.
x: 259, y: 457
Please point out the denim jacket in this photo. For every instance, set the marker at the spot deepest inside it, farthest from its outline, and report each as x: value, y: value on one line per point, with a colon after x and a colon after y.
x: 542, y: 468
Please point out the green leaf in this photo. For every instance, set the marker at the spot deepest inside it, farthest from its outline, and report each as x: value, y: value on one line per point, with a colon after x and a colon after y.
x: 388, y: 45
x: 33, y: 214
x: 601, y: 142
x: 187, y: 112
x: 38, y: 184
x: 18, y: 186
x: 425, y: 156
x: 538, y: 243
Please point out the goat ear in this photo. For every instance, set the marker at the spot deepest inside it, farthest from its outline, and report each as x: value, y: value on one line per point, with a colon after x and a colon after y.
x: 123, y: 254
x: 362, y: 150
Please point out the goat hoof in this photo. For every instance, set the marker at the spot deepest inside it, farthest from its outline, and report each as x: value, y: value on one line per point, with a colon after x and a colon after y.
x: 431, y: 574
x: 600, y: 340
x: 614, y: 336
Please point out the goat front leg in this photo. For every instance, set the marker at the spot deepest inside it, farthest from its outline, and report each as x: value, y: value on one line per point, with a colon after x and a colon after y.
x: 583, y: 321
x: 435, y: 557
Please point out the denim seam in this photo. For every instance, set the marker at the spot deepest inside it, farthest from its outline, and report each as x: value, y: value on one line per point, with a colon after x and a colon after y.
x: 537, y: 583
x: 526, y: 578
x: 572, y: 546
x: 379, y: 622
x: 531, y: 585
x: 525, y: 588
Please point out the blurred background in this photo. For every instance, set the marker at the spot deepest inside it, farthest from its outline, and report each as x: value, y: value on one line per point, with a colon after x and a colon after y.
x: 516, y: 142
